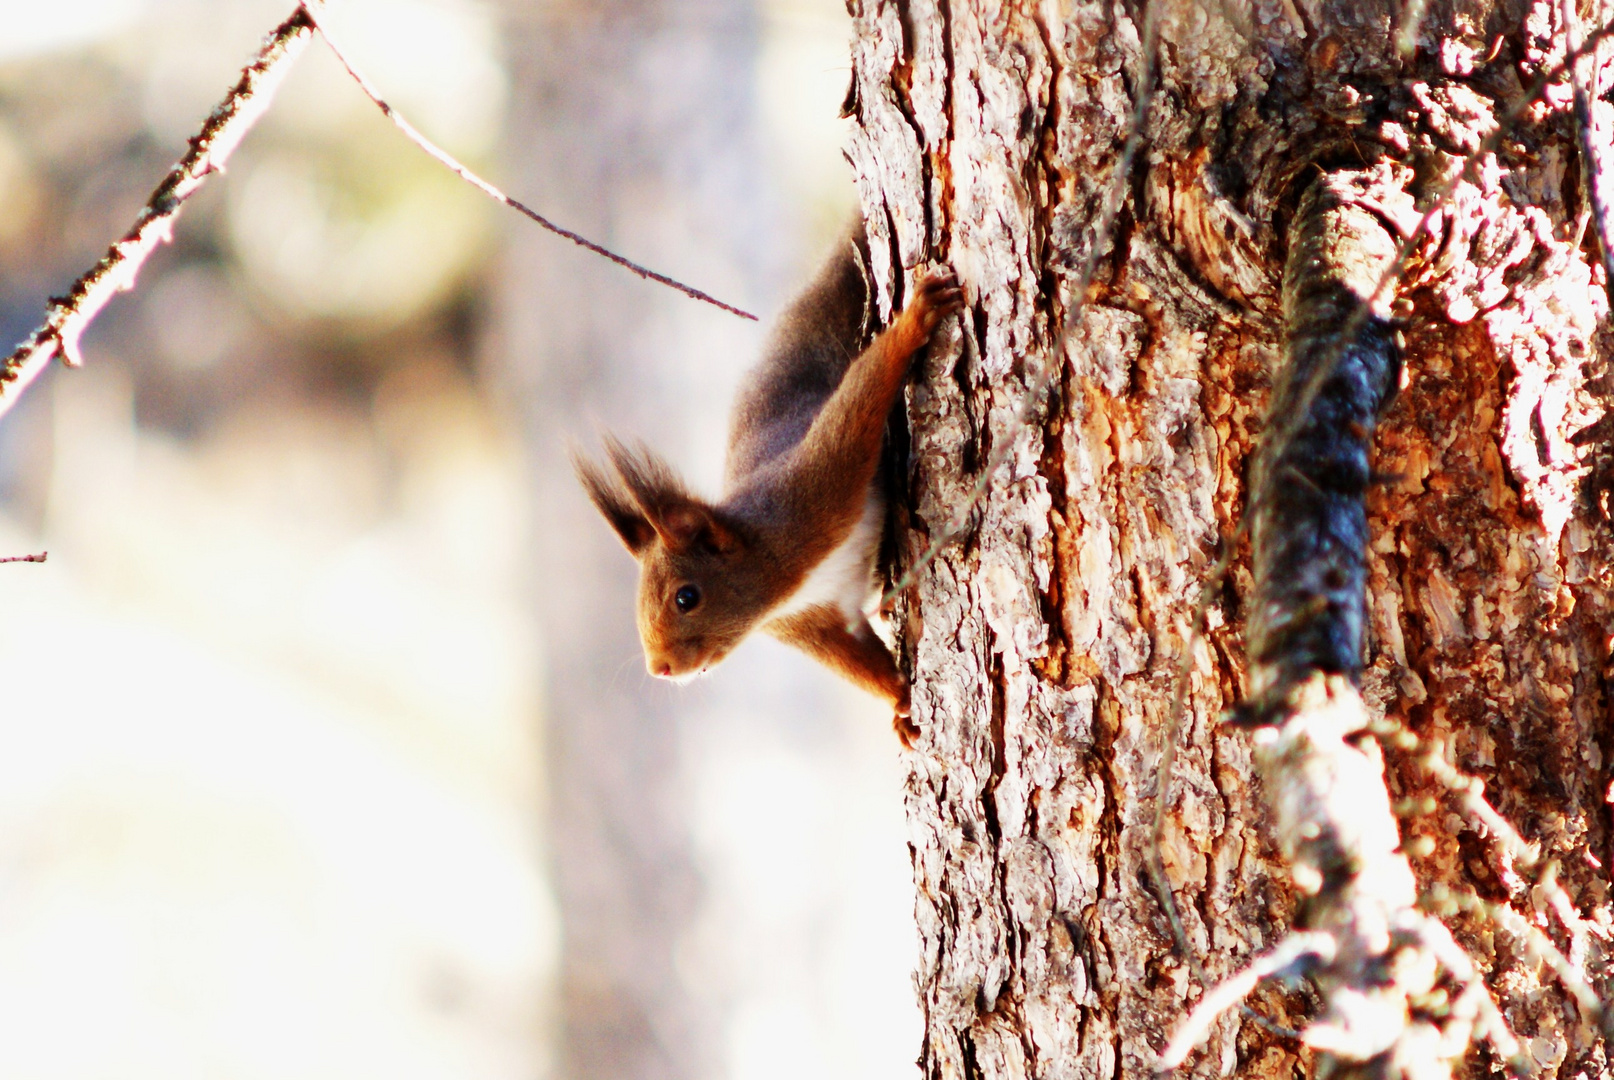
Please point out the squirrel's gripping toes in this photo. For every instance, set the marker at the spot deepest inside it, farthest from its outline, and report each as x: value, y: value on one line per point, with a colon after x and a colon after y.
x: 937, y: 297
x: 790, y: 548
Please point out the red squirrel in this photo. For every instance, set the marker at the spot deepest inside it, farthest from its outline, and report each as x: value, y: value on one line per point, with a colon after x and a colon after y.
x: 790, y: 547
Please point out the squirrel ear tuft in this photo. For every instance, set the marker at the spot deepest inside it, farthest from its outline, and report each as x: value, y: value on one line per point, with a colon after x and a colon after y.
x: 616, y: 505
x: 682, y: 521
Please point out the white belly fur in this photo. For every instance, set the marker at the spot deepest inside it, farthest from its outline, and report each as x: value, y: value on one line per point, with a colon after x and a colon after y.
x: 846, y: 576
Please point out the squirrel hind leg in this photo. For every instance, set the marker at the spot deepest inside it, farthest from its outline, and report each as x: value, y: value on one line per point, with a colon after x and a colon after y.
x: 902, y: 721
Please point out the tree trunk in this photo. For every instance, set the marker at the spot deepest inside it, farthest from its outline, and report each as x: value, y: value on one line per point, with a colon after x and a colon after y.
x: 1045, y: 642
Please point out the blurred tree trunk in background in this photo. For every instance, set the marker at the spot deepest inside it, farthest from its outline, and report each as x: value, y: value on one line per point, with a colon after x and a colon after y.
x: 1045, y: 644
x: 631, y: 123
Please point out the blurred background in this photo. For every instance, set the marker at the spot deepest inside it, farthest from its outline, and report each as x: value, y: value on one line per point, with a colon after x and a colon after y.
x: 326, y: 747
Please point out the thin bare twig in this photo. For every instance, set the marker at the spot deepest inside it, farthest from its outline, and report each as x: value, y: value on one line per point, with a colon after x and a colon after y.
x: 1594, y: 158
x: 1293, y: 953
x: 1170, y: 737
x: 68, y: 316
x: 447, y: 160
x: 1539, y: 944
x: 40, y: 557
x: 1437, y: 939
x: 1470, y: 794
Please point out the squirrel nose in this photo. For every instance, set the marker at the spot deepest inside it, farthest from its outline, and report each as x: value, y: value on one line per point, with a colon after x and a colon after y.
x: 661, y: 669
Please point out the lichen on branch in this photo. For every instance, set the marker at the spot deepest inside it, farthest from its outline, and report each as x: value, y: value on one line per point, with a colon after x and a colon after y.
x: 1308, y: 510
x: 1331, y: 814
x: 70, y: 315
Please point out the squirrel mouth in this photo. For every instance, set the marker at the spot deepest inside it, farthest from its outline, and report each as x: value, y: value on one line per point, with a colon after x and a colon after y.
x: 673, y: 671
x: 664, y: 670
x: 683, y: 678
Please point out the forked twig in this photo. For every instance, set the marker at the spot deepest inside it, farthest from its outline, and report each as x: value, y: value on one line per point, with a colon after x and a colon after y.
x: 68, y: 316
x: 1470, y: 794
x: 447, y: 160
x: 1437, y: 939
x: 1170, y: 737
x: 1539, y: 944
x: 1292, y: 956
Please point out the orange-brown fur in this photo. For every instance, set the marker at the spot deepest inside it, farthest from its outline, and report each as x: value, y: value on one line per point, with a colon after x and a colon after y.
x: 804, y: 446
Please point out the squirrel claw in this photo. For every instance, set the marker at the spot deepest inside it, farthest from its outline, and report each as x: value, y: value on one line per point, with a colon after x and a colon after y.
x: 940, y: 289
x: 906, y: 730
x: 937, y: 296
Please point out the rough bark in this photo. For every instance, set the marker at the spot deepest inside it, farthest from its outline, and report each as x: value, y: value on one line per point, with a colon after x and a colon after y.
x: 1045, y: 643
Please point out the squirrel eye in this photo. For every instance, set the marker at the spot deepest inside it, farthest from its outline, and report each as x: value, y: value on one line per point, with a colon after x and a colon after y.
x: 686, y: 598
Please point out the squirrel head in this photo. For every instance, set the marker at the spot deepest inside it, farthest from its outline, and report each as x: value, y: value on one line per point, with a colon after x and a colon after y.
x: 700, y: 587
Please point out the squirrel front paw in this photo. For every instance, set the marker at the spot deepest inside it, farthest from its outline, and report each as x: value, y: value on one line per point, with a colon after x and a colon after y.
x: 937, y: 297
